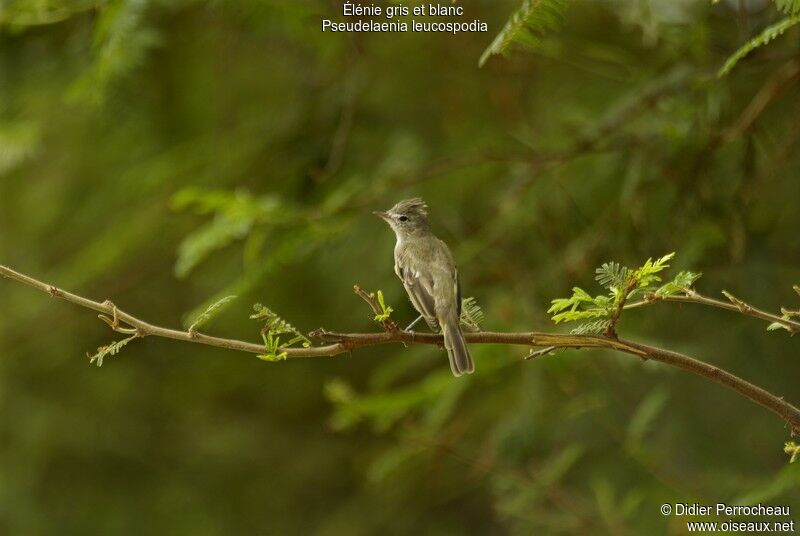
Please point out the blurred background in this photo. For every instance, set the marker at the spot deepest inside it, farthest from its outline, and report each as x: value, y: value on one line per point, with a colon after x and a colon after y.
x: 167, y: 153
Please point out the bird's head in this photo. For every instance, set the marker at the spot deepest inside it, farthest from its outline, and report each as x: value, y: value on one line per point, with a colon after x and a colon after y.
x: 408, y: 217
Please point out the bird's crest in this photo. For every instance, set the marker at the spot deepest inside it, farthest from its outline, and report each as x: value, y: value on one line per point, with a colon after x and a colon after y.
x: 411, y: 206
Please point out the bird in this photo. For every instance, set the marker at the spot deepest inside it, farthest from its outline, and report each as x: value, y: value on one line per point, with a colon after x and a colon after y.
x: 426, y: 267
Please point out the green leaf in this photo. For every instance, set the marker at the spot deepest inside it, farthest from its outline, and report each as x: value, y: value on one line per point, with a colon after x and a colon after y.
x: 578, y: 297
x: 792, y: 449
x: 622, y: 283
x: 272, y: 346
x: 612, y: 274
x: 579, y: 306
x: 591, y: 328
x: 786, y: 314
x: 273, y: 357
x: 212, y: 311
x: 235, y: 214
x: 386, y: 312
x: 646, y: 274
x: 526, y: 26
x: 768, y: 34
x: 112, y: 349
x: 273, y: 327
x: 471, y: 314
x: 682, y: 282
x: 213, y: 236
x: 572, y: 316
x: 686, y: 279
x: 122, y: 41
x: 21, y: 14
x: 790, y: 7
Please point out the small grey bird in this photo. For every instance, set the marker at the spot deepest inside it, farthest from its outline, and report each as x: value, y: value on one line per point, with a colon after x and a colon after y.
x: 425, y: 266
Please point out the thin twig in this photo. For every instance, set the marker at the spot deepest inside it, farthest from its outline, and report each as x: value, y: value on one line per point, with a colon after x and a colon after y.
x: 738, y: 306
x: 339, y: 343
x: 388, y: 324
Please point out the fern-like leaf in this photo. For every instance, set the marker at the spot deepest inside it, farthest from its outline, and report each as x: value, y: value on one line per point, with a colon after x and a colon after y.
x: 111, y: 349
x: 274, y: 326
x: 579, y: 306
x: 471, y: 314
x: 623, y: 285
x: 211, y: 311
x: 768, y: 34
x: 122, y: 41
x: 591, y: 328
x: 647, y: 274
x: 235, y: 214
x: 790, y: 7
x: 612, y: 275
x: 682, y: 282
x: 579, y: 297
x: 214, y: 235
x: 526, y: 26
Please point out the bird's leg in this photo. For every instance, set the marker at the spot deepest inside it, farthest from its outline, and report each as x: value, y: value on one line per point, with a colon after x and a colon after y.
x: 414, y: 323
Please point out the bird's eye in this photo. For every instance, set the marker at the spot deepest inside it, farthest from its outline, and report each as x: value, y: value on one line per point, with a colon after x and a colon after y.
x: 403, y: 218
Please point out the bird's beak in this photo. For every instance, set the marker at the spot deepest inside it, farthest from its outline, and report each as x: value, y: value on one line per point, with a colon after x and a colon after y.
x: 383, y: 215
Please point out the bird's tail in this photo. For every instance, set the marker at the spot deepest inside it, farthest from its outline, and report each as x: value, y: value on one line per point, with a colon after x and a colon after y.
x: 457, y: 351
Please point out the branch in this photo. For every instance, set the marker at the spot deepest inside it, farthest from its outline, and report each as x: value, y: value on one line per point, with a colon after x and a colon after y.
x: 775, y: 85
x: 339, y: 343
x: 735, y: 304
x: 611, y: 330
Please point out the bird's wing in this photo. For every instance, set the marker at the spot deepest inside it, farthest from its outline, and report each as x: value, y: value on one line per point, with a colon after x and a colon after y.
x: 420, y: 293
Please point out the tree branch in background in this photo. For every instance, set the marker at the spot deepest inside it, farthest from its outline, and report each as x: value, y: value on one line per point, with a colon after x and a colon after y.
x: 339, y: 343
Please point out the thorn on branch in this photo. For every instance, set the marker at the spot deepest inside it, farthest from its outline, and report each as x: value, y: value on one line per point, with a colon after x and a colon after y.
x: 540, y: 353
x: 114, y: 321
x: 742, y: 306
x: 323, y: 335
x: 318, y: 334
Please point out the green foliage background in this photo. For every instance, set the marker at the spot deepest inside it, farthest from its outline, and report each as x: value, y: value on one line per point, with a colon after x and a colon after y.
x: 169, y: 153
